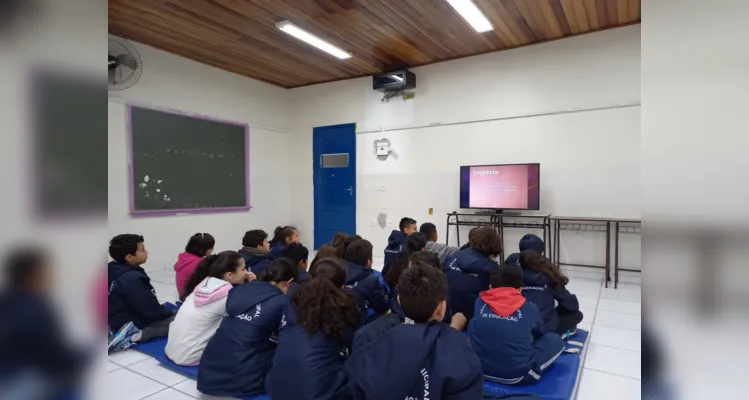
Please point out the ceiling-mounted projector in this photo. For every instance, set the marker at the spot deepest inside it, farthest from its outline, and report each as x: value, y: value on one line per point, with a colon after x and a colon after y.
x: 395, y: 81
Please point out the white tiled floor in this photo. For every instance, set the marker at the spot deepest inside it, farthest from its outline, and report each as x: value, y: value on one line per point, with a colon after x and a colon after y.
x: 611, y: 366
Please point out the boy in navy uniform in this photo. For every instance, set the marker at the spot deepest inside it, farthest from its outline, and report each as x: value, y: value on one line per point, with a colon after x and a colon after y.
x: 362, y: 281
x: 397, y: 242
x: 420, y: 359
x: 508, y: 334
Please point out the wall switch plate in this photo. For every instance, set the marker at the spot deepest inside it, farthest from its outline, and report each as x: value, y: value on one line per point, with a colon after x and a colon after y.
x: 372, y: 223
x: 390, y: 224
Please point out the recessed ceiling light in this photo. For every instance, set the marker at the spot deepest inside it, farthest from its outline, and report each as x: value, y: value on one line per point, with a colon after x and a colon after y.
x: 472, y: 15
x: 311, y: 39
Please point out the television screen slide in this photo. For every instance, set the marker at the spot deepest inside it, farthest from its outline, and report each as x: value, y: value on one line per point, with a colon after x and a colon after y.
x: 509, y: 187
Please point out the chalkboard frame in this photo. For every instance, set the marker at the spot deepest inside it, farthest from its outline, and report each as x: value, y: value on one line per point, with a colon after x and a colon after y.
x: 176, y: 211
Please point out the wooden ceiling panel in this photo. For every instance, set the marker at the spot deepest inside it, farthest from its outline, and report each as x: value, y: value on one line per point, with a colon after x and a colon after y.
x: 240, y: 35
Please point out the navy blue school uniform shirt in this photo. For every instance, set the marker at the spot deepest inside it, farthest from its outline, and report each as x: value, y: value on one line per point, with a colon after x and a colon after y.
x: 467, y: 273
x: 276, y: 249
x: 131, y: 298
x: 396, y: 245
x: 32, y: 340
x: 502, y: 332
x: 303, y: 276
x: 367, y: 288
x: 538, y: 289
x: 238, y: 357
x: 256, y: 260
x: 414, y: 361
x: 314, y: 361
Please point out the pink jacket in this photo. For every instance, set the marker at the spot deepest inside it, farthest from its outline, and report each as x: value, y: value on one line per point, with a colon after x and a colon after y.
x: 185, y: 266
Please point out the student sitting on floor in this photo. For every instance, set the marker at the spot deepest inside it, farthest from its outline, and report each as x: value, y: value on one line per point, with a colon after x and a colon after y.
x: 37, y: 359
x: 298, y: 254
x: 427, y: 258
x: 468, y: 270
x: 423, y: 358
x: 471, y: 233
x: 199, y: 246
x: 543, y: 284
x: 325, y: 251
x: 315, y: 337
x: 238, y: 357
x: 282, y: 237
x: 508, y: 334
x: 414, y: 244
x: 365, y: 284
x: 205, y: 305
x: 429, y: 230
x: 255, y: 248
x: 397, y: 242
x: 134, y: 311
x: 527, y: 242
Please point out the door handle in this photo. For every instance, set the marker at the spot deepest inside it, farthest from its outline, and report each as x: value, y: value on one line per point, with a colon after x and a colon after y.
x: 350, y: 190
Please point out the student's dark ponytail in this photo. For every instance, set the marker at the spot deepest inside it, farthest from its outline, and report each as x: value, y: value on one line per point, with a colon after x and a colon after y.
x: 415, y: 243
x: 280, y: 270
x: 322, y: 305
x: 282, y: 232
x: 215, y: 266
x: 535, y: 261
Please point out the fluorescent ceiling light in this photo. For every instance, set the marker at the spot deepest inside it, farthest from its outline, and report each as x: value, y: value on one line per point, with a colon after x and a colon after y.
x: 472, y: 15
x: 311, y: 39
x: 397, y: 78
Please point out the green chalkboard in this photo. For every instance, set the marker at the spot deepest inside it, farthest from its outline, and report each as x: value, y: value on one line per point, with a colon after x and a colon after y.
x: 182, y: 163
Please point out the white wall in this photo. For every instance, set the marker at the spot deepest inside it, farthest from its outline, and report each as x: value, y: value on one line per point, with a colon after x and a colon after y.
x: 590, y: 160
x: 169, y: 81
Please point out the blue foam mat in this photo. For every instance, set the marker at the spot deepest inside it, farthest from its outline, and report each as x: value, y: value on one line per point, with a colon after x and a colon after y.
x: 559, y: 381
x: 155, y: 348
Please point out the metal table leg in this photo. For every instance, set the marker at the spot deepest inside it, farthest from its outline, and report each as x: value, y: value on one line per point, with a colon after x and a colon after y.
x: 608, y: 255
x: 616, y: 254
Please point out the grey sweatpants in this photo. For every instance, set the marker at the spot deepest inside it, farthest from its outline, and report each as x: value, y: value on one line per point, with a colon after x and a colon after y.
x: 156, y: 330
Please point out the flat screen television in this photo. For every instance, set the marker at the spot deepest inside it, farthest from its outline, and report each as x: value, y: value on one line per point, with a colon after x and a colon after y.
x: 500, y: 187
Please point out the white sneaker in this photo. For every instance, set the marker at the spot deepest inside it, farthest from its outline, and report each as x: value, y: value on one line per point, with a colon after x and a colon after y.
x: 123, y: 338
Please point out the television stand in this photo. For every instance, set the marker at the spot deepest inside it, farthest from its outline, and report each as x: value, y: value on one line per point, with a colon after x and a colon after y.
x: 499, y: 220
x: 508, y: 213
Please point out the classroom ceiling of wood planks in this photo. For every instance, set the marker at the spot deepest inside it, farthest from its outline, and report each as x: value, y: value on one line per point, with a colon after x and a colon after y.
x: 382, y: 35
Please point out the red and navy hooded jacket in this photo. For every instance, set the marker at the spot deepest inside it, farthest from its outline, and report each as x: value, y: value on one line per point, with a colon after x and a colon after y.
x: 502, y: 332
x: 132, y: 298
x: 396, y: 245
x: 419, y: 361
x: 257, y: 261
x: 467, y: 274
x: 527, y: 242
x: 319, y: 358
x: 369, y: 291
x: 238, y: 357
x: 538, y: 289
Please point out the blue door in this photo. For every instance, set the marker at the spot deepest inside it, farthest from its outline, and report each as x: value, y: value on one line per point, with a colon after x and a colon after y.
x: 334, y: 154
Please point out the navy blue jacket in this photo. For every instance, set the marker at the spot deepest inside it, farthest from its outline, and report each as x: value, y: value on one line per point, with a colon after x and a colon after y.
x: 314, y: 361
x: 504, y: 342
x: 396, y: 244
x: 32, y: 340
x: 256, y: 262
x: 421, y: 361
x: 527, y: 242
x: 467, y: 274
x: 537, y: 288
x: 303, y: 276
x: 132, y: 298
x: 239, y: 355
x: 276, y: 249
x: 368, y: 290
